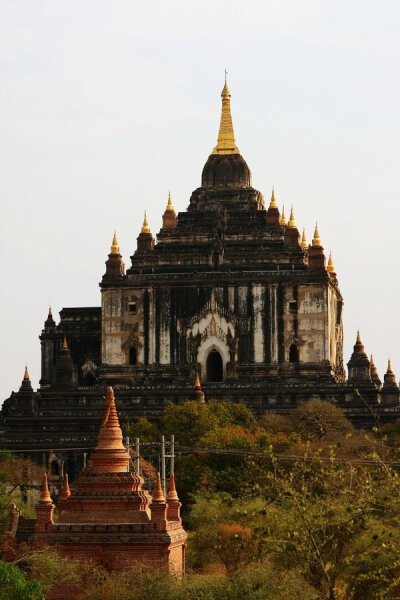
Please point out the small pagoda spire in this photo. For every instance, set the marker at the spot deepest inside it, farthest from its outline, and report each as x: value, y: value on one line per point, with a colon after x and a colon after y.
x: 66, y: 492
x: 316, y: 239
x: 169, y: 216
x: 389, y: 367
x: 172, y: 494
x: 49, y: 315
x: 26, y: 374
x: 64, y: 343
x: 283, y: 216
x: 158, y: 496
x: 226, y: 138
x: 303, y: 242
x: 358, y: 340
x: 45, y: 497
x: 145, y: 226
x: 170, y: 206
x: 330, y: 268
x: 374, y: 373
x: 273, y: 203
x: 292, y: 222
x: 114, y: 245
x: 198, y: 390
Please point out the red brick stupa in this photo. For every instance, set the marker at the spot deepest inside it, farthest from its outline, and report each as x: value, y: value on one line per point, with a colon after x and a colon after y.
x: 110, y: 518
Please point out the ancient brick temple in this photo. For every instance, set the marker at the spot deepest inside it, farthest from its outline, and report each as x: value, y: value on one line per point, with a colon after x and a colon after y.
x: 109, y: 517
x: 229, y: 291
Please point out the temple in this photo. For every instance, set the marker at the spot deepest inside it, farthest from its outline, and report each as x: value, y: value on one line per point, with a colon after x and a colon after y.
x: 109, y: 518
x: 228, y: 294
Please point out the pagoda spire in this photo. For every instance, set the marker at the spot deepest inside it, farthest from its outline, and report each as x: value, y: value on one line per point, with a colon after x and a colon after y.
x: 66, y: 492
x: 26, y: 374
x: 303, y: 242
x: 169, y: 216
x: 330, y: 268
x: 226, y: 138
x: 198, y: 390
x: 110, y: 454
x: 158, y: 496
x: 316, y: 239
x: 292, y: 222
x: 283, y: 216
x: 145, y: 226
x: 64, y: 344
x: 45, y: 497
x: 114, y: 245
x: 273, y: 203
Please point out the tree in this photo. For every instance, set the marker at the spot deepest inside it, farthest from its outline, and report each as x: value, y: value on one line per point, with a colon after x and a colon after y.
x: 318, y: 419
x: 15, y: 586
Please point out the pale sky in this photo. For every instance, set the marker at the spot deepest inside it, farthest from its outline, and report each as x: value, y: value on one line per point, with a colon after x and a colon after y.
x: 105, y: 105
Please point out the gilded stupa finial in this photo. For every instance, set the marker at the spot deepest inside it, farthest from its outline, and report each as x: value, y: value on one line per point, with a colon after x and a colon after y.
x: 170, y: 206
x: 330, y: 268
x: 303, y: 242
x: 283, y: 217
x: 389, y: 367
x: 316, y: 239
x: 64, y: 344
x: 273, y: 203
x: 197, y: 384
x: 145, y: 226
x: 226, y: 138
x: 358, y: 340
x: 114, y: 245
x: 26, y: 374
x: 292, y: 222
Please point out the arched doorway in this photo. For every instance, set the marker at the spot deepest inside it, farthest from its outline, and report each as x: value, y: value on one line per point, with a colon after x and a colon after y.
x: 215, y: 367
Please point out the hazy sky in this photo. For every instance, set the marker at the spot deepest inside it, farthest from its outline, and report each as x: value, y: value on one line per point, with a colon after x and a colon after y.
x: 105, y: 105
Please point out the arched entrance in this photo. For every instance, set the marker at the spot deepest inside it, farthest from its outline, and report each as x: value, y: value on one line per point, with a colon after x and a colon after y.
x: 215, y: 367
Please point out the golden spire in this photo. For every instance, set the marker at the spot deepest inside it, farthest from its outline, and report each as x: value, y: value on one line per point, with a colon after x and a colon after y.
x: 226, y: 138
x: 114, y: 245
x: 303, y: 242
x: 170, y: 206
x: 26, y: 374
x: 283, y: 217
x: 316, y: 239
x: 292, y: 222
x: 66, y: 492
x: 372, y: 364
x: 158, y: 495
x: 145, y: 226
x: 330, y: 268
x: 64, y: 344
x: 197, y: 384
x: 389, y: 367
x: 358, y: 340
x: 45, y: 497
x: 172, y: 495
x: 273, y: 203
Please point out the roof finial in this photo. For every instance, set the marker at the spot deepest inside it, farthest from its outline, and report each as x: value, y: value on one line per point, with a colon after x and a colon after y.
x: 172, y: 494
x: 330, y: 268
x: 145, y: 226
x: 114, y: 245
x: 45, y: 497
x: 303, y: 242
x: 64, y: 344
x: 66, y: 492
x: 50, y: 314
x: 273, y: 203
x: 358, y: 340
x: 26, y: 374
x: 389, y: 367
x: 316, y: 239
x: 292, y: 222
x: 158, y: 495
x: 226, y: 138
x: 283, y: 217
x: 170, y: 206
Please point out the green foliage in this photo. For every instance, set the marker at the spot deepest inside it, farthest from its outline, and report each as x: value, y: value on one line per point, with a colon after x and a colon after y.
x: 318, y: 419
x: 256, y: 583
x: 143, y: 429
x: 15, y: 586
